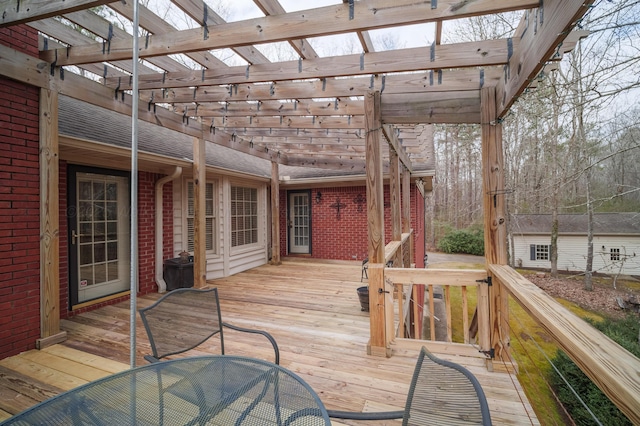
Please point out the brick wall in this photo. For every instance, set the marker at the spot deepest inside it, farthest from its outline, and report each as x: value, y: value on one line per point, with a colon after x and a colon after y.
x: 346, y: 238
x: 21, y: 38
x: 19, y: 205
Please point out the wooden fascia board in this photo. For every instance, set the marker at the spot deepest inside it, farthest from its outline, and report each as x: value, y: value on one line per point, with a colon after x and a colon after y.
x: 327, y: 163
x: 459, y: 55
x: 538, y: 42
x: 317, y: 22
x: 416, y: 82
x: 18, y: 12
x: 86, y: 152
x: 447, y: 107
x: 394, y: 142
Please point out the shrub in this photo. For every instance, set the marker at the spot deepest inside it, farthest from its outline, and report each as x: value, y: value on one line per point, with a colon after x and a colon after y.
x: 469, y: 241
x: 625, y: 333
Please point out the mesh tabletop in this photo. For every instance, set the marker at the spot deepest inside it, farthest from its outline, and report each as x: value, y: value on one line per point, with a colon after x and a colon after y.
x: 212, y: 390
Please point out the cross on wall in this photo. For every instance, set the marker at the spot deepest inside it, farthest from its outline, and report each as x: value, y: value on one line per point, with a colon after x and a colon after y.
x: 338, y: 205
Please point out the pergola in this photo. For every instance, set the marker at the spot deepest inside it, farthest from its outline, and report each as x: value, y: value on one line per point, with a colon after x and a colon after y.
x: 357, y: 111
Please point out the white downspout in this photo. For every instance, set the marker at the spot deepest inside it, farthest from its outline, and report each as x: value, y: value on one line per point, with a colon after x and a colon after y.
x: 162, y: 285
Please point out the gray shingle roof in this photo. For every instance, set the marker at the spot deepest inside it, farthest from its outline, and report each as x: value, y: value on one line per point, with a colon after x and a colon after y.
x: 82, y: 120
x: 603, y: 223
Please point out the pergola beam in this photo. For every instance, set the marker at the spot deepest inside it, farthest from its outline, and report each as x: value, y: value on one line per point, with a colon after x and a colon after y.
x: 414, y: 82
x: 316, y: 22
x: 459, y: 55
x: 542, y: 34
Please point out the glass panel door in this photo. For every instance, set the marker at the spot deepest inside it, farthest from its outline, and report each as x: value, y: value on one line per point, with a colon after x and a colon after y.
x: 299, y: 229
x: 100, y: 236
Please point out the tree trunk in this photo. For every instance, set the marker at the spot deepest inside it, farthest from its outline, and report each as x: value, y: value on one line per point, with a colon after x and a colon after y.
x: 588, y: 273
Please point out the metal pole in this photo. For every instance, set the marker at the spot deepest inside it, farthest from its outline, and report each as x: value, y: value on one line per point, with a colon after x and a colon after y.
x: 134, y: 192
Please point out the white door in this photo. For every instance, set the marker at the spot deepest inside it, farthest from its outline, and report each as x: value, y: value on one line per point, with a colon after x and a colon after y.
x: 299, y: 227
x: 99, y: 236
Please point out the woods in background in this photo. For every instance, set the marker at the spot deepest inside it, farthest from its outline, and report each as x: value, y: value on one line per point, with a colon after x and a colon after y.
x: 572, y: 145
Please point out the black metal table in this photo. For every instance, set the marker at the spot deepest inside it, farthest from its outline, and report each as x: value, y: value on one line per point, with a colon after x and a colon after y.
x: 213, y: 390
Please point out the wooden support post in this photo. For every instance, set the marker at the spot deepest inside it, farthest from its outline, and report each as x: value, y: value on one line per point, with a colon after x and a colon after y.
x: 275, y: 214
x: 396, y: 205
x: 49, y: 222
x: 378, y: 343
x: 406, y: 213
x: 199, y: 209
x: 495, y: 232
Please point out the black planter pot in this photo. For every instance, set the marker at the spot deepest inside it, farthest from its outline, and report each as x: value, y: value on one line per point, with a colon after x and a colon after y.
x: 363, y: 296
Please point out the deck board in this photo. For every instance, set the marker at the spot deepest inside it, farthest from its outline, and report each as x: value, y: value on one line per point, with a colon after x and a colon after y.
x: 312, y: 310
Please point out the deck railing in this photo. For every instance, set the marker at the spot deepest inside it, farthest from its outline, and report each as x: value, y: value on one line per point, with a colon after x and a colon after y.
x: 612, y: 368
x: 466, y: 280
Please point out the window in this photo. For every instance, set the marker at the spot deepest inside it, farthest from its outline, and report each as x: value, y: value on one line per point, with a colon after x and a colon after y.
x: 615, y: 254
x: 539, y: 251
x: 244, y: 216
x: 210, y: 216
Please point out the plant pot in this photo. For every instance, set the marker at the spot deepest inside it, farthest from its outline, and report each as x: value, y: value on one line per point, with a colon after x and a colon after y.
x: 363, y: 296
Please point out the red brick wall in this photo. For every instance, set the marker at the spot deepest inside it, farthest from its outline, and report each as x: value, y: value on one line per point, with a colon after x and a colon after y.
x: 21, y: 38
x: 346, y: 238
x: 167, y: 221
x: 19, y: 205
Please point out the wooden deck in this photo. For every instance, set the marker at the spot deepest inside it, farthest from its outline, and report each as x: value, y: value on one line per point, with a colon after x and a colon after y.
x: 312, y: 310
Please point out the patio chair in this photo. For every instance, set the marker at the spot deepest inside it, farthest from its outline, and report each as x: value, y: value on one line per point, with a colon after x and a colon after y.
x: 184, y: 319
x: 441, y: 393
x: 365, y: 267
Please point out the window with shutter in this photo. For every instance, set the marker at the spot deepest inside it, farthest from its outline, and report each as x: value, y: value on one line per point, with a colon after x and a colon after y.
x: 210, y: 217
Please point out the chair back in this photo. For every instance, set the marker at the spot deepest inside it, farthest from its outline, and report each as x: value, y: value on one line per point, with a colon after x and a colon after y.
x: 444, y: 393
x: 181, y: 320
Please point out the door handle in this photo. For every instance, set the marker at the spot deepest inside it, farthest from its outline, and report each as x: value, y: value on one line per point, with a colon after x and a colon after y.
x: 74, y: 236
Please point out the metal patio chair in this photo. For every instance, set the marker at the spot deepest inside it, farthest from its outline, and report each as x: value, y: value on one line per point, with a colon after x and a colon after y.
x: 365, y: 267
x: 184, y: 319
x: 441, y: 393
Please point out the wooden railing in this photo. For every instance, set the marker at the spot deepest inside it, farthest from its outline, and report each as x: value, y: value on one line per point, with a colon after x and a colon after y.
x: 613, y: 369
x: 403, y: 280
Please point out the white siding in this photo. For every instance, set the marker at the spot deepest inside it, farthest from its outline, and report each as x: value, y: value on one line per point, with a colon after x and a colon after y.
x: 225, y: 260
x: 572, y: 253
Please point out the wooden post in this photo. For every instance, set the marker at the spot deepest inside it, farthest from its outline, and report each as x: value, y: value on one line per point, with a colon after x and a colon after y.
x: 49, y: 222
x: 495, y: 232
x: 275, y: 214
x: 378, y: 343
x: 394, y: 198
x: 406, y: 212
x: 199, y: 207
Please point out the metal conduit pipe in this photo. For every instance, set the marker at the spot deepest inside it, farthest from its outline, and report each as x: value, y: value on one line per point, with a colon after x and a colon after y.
x: 162, y: 285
